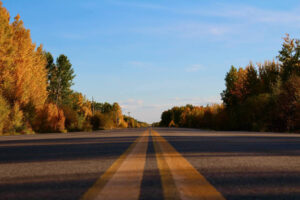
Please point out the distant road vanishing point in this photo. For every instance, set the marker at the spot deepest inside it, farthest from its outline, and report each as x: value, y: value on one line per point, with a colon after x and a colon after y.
x: 151, y: 163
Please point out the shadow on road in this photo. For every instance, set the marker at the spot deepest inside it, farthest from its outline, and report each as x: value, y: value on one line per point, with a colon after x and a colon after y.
x: 62, y: 149
x: 245, y: 167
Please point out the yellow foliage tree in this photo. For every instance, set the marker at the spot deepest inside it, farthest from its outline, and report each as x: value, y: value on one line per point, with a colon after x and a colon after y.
x: 4, y: 113
x: 16, y: 119
x: 172, y: 124
x: 117, y: 115
x: 51, y: 119
x: 239, y: 91
x: 7, y: 50
x: 30, y: 80
x: 23, y: 81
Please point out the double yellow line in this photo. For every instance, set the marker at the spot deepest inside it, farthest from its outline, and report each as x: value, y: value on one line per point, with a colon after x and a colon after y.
x: 180, y: 180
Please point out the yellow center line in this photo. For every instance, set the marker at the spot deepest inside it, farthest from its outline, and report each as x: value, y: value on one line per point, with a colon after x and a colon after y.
x: 123, y: 179
x: 168, y: 185
x: 179, y: 176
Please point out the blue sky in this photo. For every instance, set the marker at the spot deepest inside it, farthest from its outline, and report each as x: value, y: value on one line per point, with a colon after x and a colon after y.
x: 152, y: 55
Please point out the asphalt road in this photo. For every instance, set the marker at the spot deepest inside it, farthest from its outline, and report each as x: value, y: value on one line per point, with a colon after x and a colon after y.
x: 232, y: 165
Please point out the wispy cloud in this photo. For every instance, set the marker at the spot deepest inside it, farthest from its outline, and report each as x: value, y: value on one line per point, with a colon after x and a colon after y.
x: 196, y: 100
x: 131, y: 103
x: 140, y: 64
x: 187, y: 29
x: 139, y: 5
x: 194, y: 68
x: 239, y: 11
x: 147, y: 66
x: 256, y: 15
x: 226, y: 20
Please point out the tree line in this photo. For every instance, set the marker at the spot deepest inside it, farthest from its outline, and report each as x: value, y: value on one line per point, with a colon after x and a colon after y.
x: 261, y: 97
x: 35, y: 89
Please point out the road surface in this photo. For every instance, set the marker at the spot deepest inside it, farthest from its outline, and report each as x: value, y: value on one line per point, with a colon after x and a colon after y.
x: 157, y: 163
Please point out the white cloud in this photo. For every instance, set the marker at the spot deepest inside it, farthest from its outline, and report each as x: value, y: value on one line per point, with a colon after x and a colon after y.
x: 242, y: 18
x: 139, y: 5
x: 131, y: 103
x: 140, y: 64
x: 232, y: 20
x: 198, y: 101
x: 194, y: 68
x: 258, y: 15
x: 187, y: 29
x: 241, y: 12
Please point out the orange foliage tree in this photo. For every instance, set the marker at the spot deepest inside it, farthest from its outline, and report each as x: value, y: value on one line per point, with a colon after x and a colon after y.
x: 30, y: 81
x: 23, y: 76
x: 50, y: 119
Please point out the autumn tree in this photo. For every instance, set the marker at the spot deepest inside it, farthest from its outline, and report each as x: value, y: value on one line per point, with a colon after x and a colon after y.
x: 288, y: 99
x: 7, y: 52
x: 4, y: 114
x: 51, y: 119
x: 289, y: 103
x: 22, y: 74
x: 117, y: 112
x: 6, y: 66
x: 265, y: 97
x: 77, y: 112
x: 30, y: 72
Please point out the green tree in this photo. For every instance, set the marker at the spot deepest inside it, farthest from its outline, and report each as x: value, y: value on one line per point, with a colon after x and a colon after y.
x: 289, y: 103
x: 166, y: 118
x: 289, y: 56
x: 230, y: 81
x: 106, y: 108
x: 60, y: 79
x: 252, y: 83
x: 269, y: 76
x: 51, y: 68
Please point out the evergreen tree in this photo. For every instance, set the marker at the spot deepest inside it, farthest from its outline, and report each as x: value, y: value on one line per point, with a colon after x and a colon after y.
x: 252, y: 84
x: 289, y: 103
x: 289, y: 56
x: 269, y: 76
x: 60, y: 78
x: 230, y: 82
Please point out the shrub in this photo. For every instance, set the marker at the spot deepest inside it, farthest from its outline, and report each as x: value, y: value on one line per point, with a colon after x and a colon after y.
x: 4, y: 113
x: 123, y: 124
x: 16, y: 120
x: 73, y: 122
x: 50, y: 119
x: 96, y: 121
